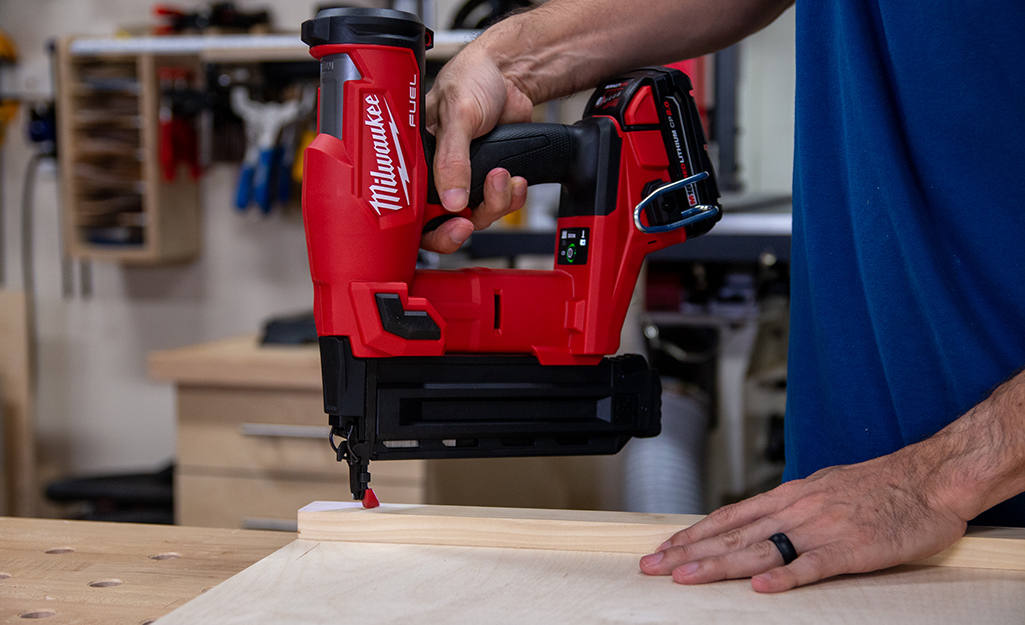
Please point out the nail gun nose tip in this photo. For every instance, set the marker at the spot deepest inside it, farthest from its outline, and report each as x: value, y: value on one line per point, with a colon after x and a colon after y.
x: 370, y: 499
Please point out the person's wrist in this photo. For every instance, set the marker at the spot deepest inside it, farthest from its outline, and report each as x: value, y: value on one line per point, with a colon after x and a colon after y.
x: 962, y: 470
x: 505, y: 46
x: 949, y: 491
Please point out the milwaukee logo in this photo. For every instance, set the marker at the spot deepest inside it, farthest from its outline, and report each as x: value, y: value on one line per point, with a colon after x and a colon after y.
x: 389, y: 165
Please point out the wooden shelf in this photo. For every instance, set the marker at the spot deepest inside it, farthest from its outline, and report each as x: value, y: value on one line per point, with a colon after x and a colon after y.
x: 242, y: 48
x: 117, y: 205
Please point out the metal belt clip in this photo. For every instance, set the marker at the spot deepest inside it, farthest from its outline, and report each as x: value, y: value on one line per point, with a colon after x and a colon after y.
x: 689, y: 216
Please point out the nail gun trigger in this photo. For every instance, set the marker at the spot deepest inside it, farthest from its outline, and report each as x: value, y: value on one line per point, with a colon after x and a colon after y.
x: 690, y: 216
x: 435, y: 223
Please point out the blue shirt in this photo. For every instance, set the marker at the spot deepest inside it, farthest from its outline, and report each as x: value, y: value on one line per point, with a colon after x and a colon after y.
x: 908, y: 264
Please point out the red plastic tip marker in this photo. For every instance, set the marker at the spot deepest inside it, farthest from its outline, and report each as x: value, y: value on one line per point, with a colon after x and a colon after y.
x: 370, y: 499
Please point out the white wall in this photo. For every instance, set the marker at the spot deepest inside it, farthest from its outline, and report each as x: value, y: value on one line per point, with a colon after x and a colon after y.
x: 766, y: 79
x: 96, y: 408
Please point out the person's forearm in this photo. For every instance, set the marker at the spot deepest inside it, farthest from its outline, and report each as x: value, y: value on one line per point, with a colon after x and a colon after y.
x: 556, y: 49
x: 564, y: 46
x: 981, y: 456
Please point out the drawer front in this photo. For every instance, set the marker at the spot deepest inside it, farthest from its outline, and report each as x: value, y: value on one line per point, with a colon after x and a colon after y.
x: 248, y: 503
x: 268, y: 431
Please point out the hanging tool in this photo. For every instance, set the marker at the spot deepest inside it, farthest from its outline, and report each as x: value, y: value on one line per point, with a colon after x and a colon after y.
x: 479, y: 362
x: 220, y: 16
x: 180, y: 105
x: 263, y: 171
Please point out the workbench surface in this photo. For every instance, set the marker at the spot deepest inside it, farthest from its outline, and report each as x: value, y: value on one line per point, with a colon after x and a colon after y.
x: 430, y: 564
x: 83, y: 573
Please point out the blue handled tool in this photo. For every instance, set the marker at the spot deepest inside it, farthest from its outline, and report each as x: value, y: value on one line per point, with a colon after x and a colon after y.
x: 262, y: 170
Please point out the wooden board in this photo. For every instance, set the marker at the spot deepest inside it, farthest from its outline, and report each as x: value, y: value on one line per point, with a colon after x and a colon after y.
x: 984, y: 548
x: 407, y: 576
x: 517, y: 528
x: 17, y: 430
x: 47, y: 566
x: 616, y: 532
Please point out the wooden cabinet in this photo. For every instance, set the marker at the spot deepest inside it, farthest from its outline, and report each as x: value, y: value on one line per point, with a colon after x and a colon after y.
x: 252, y: 437
x: 117, y: 203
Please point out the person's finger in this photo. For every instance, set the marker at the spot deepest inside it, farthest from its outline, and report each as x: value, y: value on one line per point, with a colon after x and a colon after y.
x: 519, y: 193
x: 503, y: 194
x: 758, y: 558
x: 497, y: 199
x: 665, y: 561
x: 817, y: 564
x: 431, y: 102
x: 738, y: 515
x: 447, y: 237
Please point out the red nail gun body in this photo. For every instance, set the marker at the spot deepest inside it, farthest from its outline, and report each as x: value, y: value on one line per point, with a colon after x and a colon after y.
x: 635, y: 179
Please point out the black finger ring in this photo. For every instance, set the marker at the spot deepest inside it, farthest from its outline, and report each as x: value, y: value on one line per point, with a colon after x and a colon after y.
x: 786, y: 548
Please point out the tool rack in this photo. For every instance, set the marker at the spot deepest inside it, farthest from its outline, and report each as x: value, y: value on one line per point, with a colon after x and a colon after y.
x: 116, y: 204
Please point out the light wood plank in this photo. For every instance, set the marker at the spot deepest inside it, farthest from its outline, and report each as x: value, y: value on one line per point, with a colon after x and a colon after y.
x: 614, y: 532
x: 520, y: 528
x: 984, y: 548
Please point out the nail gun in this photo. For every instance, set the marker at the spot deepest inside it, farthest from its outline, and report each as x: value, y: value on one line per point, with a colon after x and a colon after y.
x: 483, y: 362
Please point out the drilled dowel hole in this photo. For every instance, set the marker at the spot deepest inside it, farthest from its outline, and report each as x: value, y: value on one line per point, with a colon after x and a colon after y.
x: 170, y: 555
x: 38, y: 614
x: 106, y: 583
x: 59, y: 550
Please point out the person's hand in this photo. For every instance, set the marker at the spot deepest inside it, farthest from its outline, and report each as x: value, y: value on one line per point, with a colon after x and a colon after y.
x: 845, y: 519
x: 470, y: 97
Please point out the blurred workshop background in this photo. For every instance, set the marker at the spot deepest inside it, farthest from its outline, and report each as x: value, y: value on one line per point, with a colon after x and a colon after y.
x: 150, y: 232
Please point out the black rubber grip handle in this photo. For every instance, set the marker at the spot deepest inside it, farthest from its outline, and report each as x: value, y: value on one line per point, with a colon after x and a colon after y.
x: 541, y: 153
